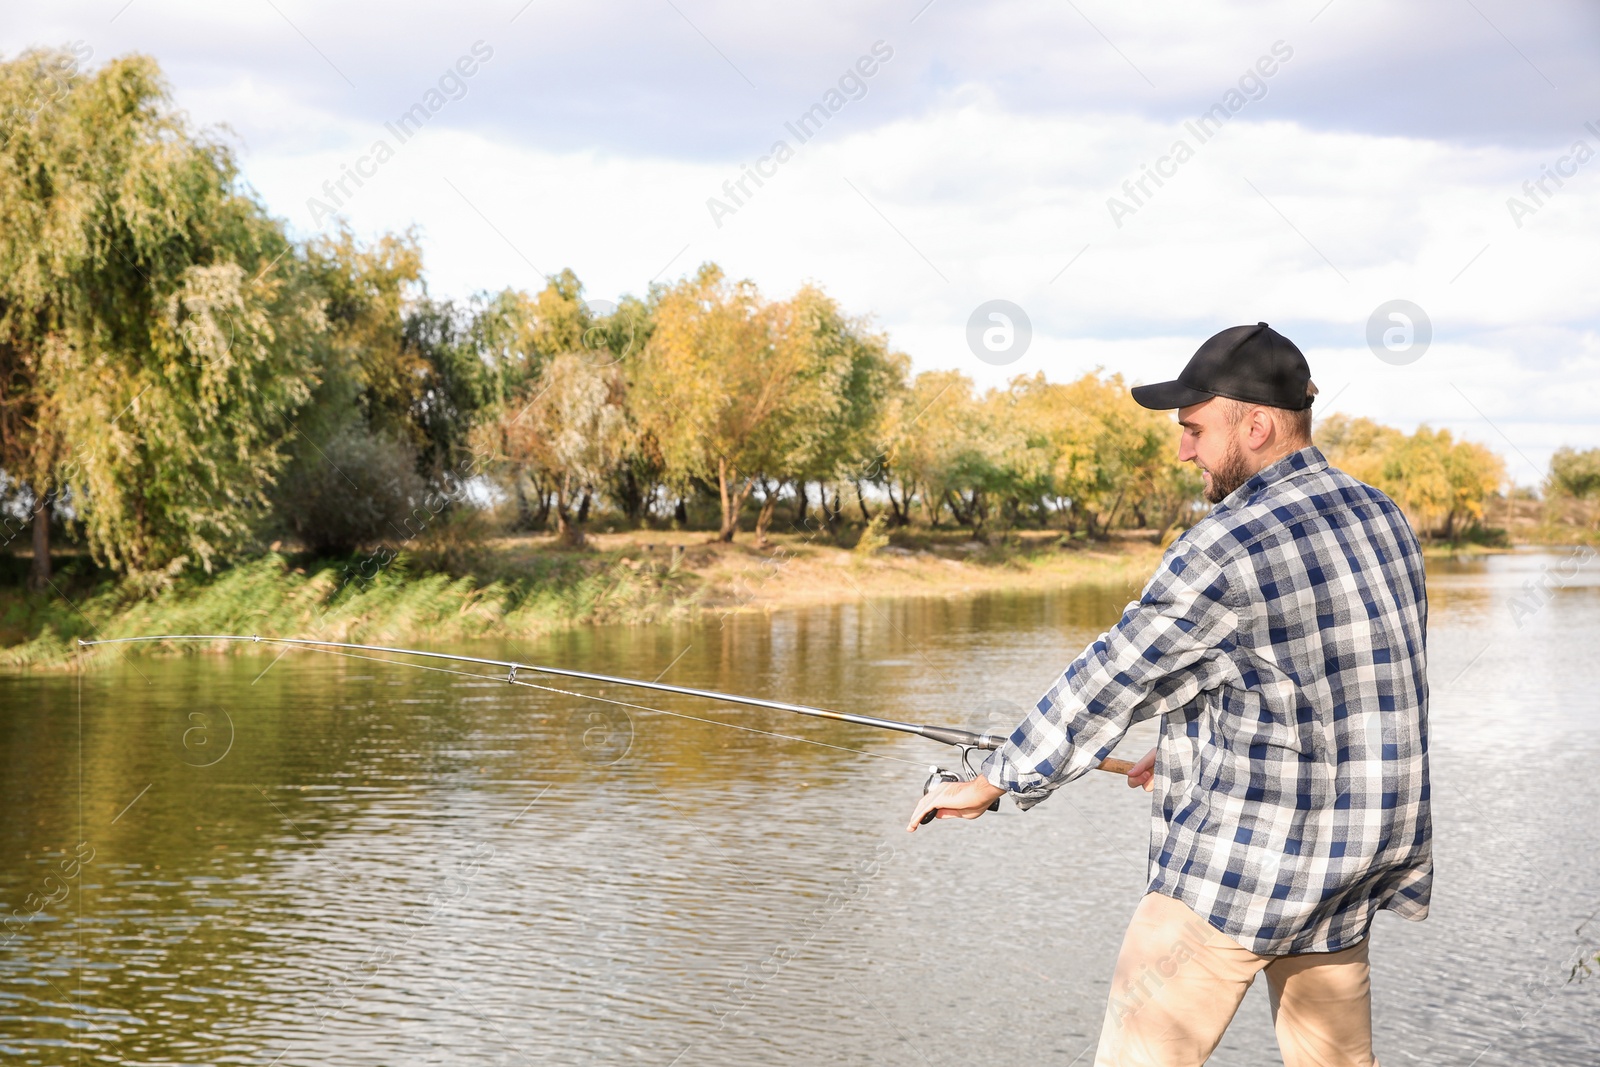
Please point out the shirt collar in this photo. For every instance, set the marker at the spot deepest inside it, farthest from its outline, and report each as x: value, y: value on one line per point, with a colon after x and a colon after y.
x: 1307, y: 459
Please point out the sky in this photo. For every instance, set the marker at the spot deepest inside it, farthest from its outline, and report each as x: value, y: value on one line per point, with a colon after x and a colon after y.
x: 1409, y: 191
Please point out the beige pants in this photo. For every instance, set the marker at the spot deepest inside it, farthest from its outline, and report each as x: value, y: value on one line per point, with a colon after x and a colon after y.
x: 1179, y: 980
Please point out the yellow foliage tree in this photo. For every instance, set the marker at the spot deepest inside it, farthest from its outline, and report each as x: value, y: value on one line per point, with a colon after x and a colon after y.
x: 1439, y: 482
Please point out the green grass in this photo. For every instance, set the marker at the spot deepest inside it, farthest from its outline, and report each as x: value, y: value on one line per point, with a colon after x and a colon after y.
x: 272, y: 595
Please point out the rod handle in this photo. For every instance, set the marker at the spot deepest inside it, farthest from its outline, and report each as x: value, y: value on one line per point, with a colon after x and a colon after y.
x: 1116, y: 766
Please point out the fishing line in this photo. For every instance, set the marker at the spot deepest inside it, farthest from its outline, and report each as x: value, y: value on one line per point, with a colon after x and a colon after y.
x: 964, y: 741
x: 606, y: 700
x: 944, y: 734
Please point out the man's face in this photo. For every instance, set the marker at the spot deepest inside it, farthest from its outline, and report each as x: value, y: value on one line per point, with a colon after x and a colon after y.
x: 1212, y: 442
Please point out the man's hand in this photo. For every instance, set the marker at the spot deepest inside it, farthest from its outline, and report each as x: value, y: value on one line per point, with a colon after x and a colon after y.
x: 956, y: 800
x: 1144, y: 772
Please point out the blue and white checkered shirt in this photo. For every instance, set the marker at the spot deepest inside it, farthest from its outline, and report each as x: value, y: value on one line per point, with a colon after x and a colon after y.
x: 1282, y: 643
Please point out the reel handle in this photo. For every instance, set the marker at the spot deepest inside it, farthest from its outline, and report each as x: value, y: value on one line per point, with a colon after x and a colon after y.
x: 940, y: 775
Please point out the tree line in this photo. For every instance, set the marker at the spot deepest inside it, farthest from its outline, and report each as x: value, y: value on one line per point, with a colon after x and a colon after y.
x: 183, y: 382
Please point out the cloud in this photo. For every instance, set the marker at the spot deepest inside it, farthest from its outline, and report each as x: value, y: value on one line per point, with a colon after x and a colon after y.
x: 699, y: 79
x: 1377, y: 165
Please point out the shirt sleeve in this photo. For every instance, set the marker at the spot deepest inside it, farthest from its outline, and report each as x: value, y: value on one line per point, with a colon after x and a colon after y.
x: 1171, y: 644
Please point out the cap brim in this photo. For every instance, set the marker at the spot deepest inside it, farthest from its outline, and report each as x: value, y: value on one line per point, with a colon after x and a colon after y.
x: 1164, y: 396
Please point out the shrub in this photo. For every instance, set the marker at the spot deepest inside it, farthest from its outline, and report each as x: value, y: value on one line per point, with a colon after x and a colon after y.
x: 351, y: 492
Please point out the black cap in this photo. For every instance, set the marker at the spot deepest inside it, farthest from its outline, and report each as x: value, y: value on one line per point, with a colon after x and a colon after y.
x: 1256, y: 364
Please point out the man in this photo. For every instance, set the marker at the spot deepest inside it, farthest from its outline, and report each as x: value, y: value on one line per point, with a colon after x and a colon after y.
x: 1281, y: 645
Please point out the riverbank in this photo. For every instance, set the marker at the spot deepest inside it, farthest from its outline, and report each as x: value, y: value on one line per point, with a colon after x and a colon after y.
x: 520, y: 587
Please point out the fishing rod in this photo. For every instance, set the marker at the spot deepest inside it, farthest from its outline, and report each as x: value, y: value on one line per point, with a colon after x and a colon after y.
x: 965, y: 741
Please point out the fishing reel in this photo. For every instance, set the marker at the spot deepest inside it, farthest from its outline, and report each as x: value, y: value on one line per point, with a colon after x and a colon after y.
x: 939, y: 775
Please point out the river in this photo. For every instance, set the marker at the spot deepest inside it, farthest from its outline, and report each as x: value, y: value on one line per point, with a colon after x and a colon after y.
x: 326, y: 861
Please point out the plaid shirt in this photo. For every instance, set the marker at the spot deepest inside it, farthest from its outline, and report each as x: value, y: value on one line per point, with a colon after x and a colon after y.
x: 1282, y: 644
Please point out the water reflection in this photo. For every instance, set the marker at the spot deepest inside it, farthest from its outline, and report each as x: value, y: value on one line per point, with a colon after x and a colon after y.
x: 339, y: 862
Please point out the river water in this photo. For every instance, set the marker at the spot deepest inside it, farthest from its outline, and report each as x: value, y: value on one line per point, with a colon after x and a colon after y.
x: 325, y: 861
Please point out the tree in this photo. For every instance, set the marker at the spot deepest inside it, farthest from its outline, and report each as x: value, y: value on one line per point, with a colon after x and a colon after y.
x: 722, y: 382
x: 839, y: 376
x: 451, y: 383
x: 1087, y: 448
x: 945, y: 446
x: 366, y: 370
x: 1575, y: 474
x: 154, y: 321
x: 1440, y: 483
x: 515, y: 336
x: 41, y: 248
x: 396, y: 367
x: 573, y: 430
x: 1359, y: 447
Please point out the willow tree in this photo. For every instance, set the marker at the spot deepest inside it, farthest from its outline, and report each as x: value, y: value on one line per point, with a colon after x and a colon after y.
x: 517, y: 335
x: 42, y: 248
x: 572, y: 429
x: 154, y: 319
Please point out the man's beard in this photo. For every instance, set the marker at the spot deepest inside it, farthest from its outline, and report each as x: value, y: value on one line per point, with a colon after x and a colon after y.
x: 1229, y: 474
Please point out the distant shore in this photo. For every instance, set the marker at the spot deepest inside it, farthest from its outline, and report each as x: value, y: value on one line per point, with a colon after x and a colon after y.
x: 526, y: 585
x: 519, y: 587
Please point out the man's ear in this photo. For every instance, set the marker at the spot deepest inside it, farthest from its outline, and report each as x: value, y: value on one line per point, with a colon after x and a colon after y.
x: 1259, y: 428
